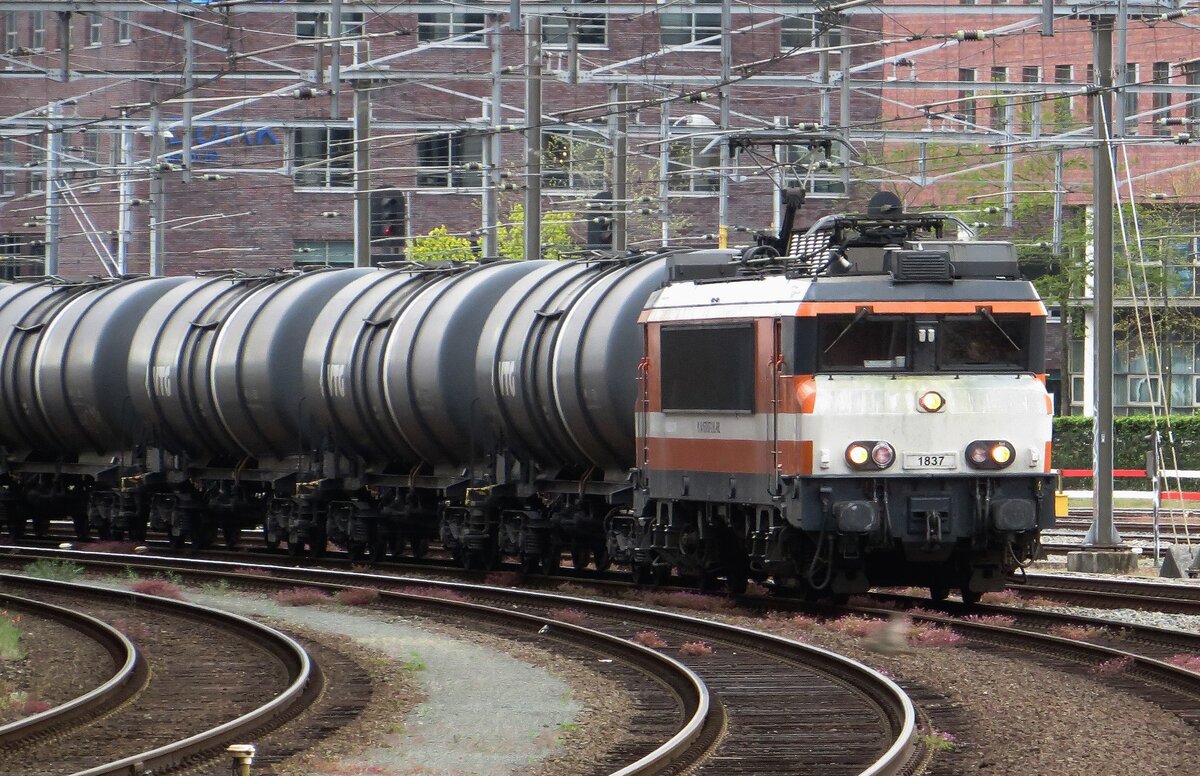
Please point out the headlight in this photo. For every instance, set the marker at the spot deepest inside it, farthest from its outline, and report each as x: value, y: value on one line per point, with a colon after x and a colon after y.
x: 931, y: 401
x: 870, y: 455
x: 990, y: 454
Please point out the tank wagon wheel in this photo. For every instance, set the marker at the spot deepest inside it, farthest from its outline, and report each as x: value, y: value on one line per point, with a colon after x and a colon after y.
x: 419, y: 547
x: 83, y: 532
x: 938, y: 592
x: 295, y: 548
x: 41, y: 526
x: 378, y: 549
x: 231, y: 531
x: 970, y: 597
x: 529, y: 563
x: 551, y: 561
x: 736, y: 584
x: 270, y: 544
x: 579, y: 557
x: 178, y: 541
x: 16, y: 526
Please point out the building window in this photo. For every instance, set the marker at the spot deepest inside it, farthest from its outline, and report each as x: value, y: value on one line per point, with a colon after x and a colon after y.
x: 323, y: 158
x: 592, y: 28
x: 692, y: 167
x: 18, y: 257
x: 1161, y: 73
x: 806, y: 171
x: 1191, y: 72
x: 1090, y: 101
x: 1063, y: 105
x: 8, y: 165
x: 90, y: 153
x: 37, y: 29
x: 37, y: 169
x: 311, y: 26
x: 95, y: 28
x: 1129, y: 99
x: 323, y: 253
x: 998, y: 118
x: 803, y: 30
x: 677, y: 29
x: 10, y: 30
x: 966, y: 97
x: 573, y: 159
x: 433, y: 27
x: 450, y: 161
x: 1144, y: 390
x: 124, y: 31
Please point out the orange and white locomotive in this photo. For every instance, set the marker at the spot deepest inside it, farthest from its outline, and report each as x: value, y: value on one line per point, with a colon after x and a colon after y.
x: 874, y: 414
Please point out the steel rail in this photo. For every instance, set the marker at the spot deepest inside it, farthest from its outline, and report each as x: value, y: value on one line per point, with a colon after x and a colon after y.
x: 129, y: 677
x: 288, y: 651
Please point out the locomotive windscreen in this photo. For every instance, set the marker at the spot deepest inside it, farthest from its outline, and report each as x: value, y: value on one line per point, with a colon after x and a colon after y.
x: 867, y: 342
x: 708, y: 368
x: 983, y: 342
x: 863, y: 341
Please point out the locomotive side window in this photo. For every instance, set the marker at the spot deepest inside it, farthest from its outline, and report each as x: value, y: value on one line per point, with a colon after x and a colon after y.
x: 708, y: 368
x: 984, y: 342
x: 863, y: 342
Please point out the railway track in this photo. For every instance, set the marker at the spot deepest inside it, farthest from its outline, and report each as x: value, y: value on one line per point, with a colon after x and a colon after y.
x: 200, y: 680
x: 1112, y: 592
x: 749, y: 675
x: 1137, y: 656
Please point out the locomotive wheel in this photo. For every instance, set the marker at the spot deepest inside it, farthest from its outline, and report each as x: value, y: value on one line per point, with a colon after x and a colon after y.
x: 419, y: 547
x: 272, y: 544
x: 41, y: 527
x: 295, y: 548
x: 641, y: 573
x: 316, y: 548
x: 178, y: 541
x: 357, y: 552
x: 529, y: 563
x: 660, y: 573
x: 551, y: 562
x: 938, y: 592
x: 82, y: 532
x: 379, y: 549
x: 116, y: 534
x: 579, y: 557
x: 970, y: 597
x: 601, y: 557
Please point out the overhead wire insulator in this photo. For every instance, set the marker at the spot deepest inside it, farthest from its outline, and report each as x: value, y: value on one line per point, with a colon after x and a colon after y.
x: 330, y: 214
x: 1183, y: 138
x: 970, y: 35
x: 1171, y: 15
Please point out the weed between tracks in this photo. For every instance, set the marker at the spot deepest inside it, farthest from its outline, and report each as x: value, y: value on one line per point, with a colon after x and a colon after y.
x: 10, y: 637
x: 58, y: 570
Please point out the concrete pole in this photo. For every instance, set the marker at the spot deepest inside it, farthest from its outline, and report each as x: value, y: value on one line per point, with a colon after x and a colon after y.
x: 362, y: 175
x: 491, y: 148
x: 726, y: 72
x: 189, y: 83
x: 125, y: 187
x: 1010, y: 159
x: 157, y: 190
x: 620, y: 151
x: 1103, y: 532
x: 1059, y: 193
x: 844, y: 108
x: 335, y: 59
x: 664, y: 163
x: 1121, y: 67
x: 53, y: 156
x: 64, y: 38
x: 533, y: 137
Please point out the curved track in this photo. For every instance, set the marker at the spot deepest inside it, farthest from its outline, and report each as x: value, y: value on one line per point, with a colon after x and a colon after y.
x: 736, y: 730
x: 172, y: 722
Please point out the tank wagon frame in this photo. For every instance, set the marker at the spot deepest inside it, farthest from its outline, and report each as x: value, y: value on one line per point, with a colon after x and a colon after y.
x: 798, y: 412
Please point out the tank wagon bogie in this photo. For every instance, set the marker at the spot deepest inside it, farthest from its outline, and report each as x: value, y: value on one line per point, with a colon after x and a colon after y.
x: 707, y: 414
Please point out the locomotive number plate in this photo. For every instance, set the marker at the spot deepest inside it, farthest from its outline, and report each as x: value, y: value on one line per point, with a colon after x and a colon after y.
x: 931, y: 460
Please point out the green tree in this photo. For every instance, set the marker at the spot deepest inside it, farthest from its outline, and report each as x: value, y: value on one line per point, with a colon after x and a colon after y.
x: 440, y: 245
x: 557, y: 242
